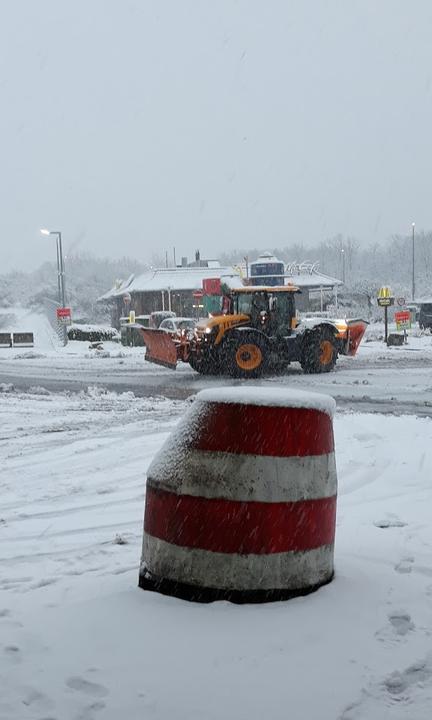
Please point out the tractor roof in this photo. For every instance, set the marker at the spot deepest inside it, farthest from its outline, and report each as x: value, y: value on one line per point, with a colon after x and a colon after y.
x: 264, y: 288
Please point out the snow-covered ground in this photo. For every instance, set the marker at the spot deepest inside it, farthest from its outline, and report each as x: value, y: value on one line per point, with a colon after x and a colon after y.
x: 79, y: 640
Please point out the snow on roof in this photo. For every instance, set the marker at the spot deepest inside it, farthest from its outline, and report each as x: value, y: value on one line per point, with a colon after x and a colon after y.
x: 265, y: 257
x: 120, y: 288
x: 314, y: 279
x: 190, y: 278
x: 158, y: 279
x: 301, y: 280
x: 269, y: 397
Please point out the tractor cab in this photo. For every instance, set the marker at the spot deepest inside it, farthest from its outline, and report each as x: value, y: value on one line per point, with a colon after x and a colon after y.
x: 271, y: 310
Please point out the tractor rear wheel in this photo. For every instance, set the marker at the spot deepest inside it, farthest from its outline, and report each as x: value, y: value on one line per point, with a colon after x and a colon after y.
x: 319, y: 352
x: 245, y: 356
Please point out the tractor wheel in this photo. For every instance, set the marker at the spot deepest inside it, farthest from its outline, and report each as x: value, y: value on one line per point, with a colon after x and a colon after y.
x: 245, y: 356
x: 319, y: 352
x: 203, y: 365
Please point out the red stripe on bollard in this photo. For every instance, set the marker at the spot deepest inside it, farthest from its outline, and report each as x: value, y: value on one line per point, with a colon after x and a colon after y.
x: 229, y: 526
x: 259, y: 430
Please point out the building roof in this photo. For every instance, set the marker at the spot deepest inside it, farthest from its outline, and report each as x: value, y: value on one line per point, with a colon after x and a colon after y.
x: 314, y: 279
x: 265, y: 257
x: 306, y: 274
x: 173, y: 279
x: 190, y: 278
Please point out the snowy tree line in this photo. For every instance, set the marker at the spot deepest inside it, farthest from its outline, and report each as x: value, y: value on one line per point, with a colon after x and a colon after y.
x: 87, y: 278
x: 367, y: 268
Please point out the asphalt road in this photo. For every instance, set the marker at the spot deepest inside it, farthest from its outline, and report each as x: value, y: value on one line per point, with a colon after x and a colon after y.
x: 394, y: 385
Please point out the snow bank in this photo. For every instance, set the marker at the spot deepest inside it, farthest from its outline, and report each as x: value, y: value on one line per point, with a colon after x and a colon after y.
x: 17, y: 319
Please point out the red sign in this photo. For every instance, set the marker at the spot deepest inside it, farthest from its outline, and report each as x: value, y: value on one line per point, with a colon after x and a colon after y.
x: 402, y: 316
x: 212, y: 286
x: 197, y: 294
x: 64, y: 316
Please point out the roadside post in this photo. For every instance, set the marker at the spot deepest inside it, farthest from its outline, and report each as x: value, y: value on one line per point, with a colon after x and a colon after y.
x: 385, y: 299
x: 241, y: 500
x: 64, y: 318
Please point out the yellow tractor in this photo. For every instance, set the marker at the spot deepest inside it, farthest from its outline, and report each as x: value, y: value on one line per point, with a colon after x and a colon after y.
x: 257, y: 331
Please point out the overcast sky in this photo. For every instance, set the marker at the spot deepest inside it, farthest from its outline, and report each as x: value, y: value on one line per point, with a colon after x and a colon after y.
x: 135, y: 126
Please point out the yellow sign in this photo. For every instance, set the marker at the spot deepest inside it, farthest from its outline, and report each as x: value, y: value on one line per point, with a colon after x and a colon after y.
x: 385, y: 292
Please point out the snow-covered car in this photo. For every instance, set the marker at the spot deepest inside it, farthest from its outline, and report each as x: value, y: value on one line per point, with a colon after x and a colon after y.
x: 178, y: 326
x: 158, y: 316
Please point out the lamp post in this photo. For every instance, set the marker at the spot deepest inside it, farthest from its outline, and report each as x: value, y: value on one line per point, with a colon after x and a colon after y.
x: 413, y: 262
x: 343, y: 265
x: 61, y: 282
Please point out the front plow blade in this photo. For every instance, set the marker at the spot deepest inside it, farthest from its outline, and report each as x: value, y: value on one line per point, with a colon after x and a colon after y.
x: 160, y: 347
x: 356, y: 330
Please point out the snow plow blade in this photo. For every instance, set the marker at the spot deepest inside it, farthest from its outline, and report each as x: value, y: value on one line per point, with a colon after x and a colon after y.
x: 160, y: 347
x: 355, y: 331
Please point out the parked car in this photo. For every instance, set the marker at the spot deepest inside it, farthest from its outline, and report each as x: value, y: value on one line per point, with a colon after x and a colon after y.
x: 157, y: 317
x: 177, y: 326
x: 425, y: 315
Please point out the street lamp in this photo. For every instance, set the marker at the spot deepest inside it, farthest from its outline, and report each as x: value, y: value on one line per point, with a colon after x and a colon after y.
x: 61, y: 283
x: 343, y: 265
x: 413, y: 265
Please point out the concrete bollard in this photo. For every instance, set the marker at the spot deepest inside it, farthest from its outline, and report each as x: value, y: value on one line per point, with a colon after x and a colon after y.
x: 241, y: 499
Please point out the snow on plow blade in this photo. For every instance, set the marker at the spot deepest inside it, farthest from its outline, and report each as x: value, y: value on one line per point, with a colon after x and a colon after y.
x: 160, y: 347
x: 355, y: 331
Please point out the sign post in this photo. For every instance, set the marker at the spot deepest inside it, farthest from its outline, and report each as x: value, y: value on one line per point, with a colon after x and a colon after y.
x: 403, y: 322
x: 385, y: 299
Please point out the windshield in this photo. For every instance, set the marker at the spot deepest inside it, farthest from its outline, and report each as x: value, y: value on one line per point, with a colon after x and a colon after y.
x: 244, y: 303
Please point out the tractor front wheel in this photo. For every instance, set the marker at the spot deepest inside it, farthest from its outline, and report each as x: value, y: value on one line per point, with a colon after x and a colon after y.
x: 203, y: 365
x: 245, y: 356
x: 319, y: 352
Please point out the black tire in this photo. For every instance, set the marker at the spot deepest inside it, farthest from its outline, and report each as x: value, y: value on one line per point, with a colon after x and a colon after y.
x: 318, y: 352
x: 244, y: 355
x: 201, y: 365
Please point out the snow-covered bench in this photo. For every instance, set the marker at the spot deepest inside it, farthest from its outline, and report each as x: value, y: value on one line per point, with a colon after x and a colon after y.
x: 23, y: 339
x: 16, y: 339
x: 5, y: 339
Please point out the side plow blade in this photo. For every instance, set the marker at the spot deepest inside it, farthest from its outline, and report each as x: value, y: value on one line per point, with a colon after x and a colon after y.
x: 356, y: 330
x: 160, y: 347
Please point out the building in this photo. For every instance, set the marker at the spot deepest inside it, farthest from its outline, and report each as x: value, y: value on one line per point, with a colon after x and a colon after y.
x: 177, y: 289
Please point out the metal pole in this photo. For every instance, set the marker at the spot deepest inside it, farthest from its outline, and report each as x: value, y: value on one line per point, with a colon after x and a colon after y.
x: 62, y: 279
x: 413, y: 262
x: 62, y: 272
x: 58, y: 274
